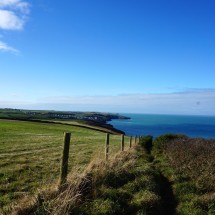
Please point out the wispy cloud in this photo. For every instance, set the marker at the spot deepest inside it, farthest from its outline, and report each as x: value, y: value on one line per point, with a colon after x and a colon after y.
x: 20, y: 5
x: 196, y: 102
x: 192, y: 102
x: 13, y: 15
x: 5, y: 48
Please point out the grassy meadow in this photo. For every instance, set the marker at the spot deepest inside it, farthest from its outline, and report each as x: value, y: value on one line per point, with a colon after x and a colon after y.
x: 172, y: 174
x: 30, y: 155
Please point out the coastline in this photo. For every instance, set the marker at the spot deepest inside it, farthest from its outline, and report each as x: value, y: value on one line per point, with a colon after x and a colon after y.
x: 158, y: 124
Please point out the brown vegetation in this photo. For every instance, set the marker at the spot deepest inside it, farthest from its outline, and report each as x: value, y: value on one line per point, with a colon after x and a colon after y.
x: 190, y: 163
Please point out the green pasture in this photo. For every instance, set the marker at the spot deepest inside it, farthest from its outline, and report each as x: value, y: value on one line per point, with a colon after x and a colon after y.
x: 30, y: 154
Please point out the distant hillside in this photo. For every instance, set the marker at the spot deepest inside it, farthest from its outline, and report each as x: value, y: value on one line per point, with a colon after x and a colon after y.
x: 94, y: 119
x: 62, y: 115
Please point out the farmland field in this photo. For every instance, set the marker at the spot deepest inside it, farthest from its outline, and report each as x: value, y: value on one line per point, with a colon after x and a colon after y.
x: 30, y: 154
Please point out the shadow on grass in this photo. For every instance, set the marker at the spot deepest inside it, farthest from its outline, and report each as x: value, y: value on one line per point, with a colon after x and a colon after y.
x: 168, y: 199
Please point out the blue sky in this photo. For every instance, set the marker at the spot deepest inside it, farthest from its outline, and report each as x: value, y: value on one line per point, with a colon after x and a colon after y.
x: 141, y: 56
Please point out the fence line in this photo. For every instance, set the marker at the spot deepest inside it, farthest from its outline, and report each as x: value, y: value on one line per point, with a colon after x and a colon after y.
x: 65, y: 153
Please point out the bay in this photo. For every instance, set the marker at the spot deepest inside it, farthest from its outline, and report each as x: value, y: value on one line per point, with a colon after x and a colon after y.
x: 155, y: 125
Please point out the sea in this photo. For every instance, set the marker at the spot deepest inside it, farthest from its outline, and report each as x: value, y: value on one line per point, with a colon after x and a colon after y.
x: 155, y: 125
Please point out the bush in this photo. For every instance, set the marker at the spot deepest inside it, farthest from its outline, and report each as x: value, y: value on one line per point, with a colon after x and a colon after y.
x: 160, y: 143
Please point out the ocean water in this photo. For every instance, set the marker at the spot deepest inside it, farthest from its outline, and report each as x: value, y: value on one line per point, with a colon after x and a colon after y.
x: 155, y: 125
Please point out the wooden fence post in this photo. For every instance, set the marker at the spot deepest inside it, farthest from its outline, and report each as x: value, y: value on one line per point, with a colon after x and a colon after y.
x: 122, y: 143
x: 130, y: 141
x: 65, y: 157
x: 107, y: 146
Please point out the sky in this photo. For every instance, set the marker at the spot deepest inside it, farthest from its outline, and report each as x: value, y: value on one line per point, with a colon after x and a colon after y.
x: 139, y: 56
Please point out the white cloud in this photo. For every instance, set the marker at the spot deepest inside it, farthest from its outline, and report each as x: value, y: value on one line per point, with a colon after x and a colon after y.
x: 13, y: 15
x: 10, y: 21
x: 6, y: 48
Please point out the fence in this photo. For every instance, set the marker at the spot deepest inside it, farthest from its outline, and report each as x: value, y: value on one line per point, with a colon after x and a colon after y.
x: 65, y: 154
x: 31, y: 157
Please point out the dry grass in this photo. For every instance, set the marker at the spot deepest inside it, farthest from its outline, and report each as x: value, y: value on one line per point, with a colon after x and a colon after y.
x: 114, y: 187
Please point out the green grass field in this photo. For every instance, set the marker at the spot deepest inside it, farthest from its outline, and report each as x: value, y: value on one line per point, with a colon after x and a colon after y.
x: 30, y: 155
x: 173, y: 174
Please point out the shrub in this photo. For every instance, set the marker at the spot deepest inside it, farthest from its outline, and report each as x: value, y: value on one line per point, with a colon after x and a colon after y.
x: 191, y: 161
x: 160, y: 143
